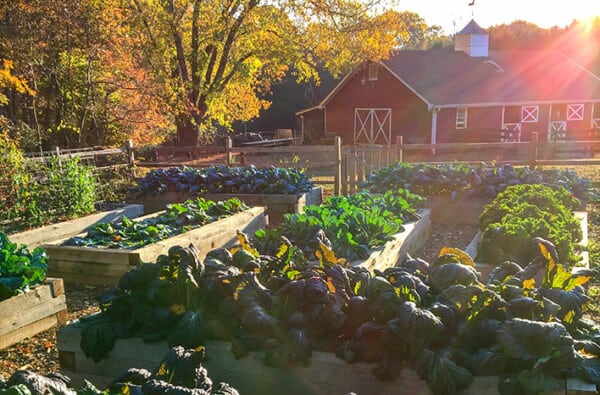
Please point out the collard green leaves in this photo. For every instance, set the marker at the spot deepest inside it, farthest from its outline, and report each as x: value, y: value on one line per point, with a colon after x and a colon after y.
x: 19, y: 268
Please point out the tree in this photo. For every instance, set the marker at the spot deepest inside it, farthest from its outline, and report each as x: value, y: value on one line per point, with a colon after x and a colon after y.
x: 215, y: 58
x: 91, y: 88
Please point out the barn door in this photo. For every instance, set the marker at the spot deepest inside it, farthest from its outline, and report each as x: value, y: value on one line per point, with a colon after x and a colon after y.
x: 373, y: 126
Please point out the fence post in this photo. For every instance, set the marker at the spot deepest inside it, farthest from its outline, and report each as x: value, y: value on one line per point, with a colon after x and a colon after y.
x: 533, y: 149
x: 228, y: 148
x: 130, y: 156
x: 399, y: 142
x: 57, y: 153
x: 337, y: 187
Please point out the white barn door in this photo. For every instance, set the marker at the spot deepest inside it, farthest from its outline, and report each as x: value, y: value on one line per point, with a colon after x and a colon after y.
x: 373, y: 126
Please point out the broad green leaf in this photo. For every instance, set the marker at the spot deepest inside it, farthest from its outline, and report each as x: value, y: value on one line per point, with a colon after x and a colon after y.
x: 462, y: 256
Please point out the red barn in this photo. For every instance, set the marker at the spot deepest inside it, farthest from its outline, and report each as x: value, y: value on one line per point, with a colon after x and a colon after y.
x: 470, y: 94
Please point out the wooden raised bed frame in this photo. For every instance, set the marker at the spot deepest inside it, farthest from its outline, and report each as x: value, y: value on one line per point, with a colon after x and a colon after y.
x: 84, y: 265
x: 326, y: 373
x: 32, y: 312
x: 36, y: 237
x: 412, y: 239
x: 277, y: 204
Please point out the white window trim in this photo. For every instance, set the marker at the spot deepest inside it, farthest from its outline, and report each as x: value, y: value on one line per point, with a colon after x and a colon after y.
x: 530, y: 114
x: 462, y: 115
x: 595, y: 118
x: 575, y: 112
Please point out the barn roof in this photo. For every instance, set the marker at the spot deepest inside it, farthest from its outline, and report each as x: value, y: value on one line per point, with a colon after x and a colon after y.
x: 446, y: 78
x: 472, y: 28
x: 452, y: 78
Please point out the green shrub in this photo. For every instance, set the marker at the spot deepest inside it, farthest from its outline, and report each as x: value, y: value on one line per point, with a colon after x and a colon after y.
x: 523, y: 212
x: 62, y: 189
x: 13, y: 179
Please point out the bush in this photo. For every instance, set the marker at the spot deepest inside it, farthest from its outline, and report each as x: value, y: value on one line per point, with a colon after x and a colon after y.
x: 13, y: 179
x: 61, y: 190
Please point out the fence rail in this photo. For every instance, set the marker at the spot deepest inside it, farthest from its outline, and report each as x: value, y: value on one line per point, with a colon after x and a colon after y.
x: 349, y: 166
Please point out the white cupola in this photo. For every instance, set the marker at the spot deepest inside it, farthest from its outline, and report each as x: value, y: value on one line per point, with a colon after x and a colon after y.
x: 473, y: 40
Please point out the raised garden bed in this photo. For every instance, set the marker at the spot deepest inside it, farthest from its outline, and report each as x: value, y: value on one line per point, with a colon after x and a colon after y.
x: 39, y: 236
x: 84, y: 265
x: 486, y: 269
x: 326, y: 374
x: 412, y: 239
x: 32, y: 312
x: 277, y: 204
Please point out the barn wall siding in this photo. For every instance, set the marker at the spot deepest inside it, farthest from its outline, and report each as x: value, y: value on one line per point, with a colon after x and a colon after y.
x: 410, y: 117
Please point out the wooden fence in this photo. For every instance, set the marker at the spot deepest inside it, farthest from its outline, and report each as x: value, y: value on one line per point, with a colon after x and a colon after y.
x: 346, y: 167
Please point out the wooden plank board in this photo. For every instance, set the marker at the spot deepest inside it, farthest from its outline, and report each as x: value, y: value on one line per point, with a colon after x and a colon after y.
x: 97, y: 266
x: 415, y: 235
x: 36, y: 237
x: 32, y: 314
x: 249, y: 375
x: 27, y: 314
x: 26, y: 331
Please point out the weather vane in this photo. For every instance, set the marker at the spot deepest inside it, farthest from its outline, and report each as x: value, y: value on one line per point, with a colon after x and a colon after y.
x: 472, y: 4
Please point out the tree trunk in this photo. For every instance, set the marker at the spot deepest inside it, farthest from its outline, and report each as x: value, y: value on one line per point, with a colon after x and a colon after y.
x: 187, y: 131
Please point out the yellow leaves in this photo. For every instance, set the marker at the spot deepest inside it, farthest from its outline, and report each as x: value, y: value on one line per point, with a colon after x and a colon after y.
x: 177, y: 309
x: 460, y: 255
x: 330, y: 285
x: 529, y: 284
x: 569, y: 317
x: 8, y: 80
x: 325, y: 255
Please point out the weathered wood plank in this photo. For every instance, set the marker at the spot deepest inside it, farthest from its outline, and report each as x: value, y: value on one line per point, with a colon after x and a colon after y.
x: 26, y: 331
x: 93, y: 255
x: 32, y: 314
x: 17, y: 304
x: 29, y: 313
x: 97, y: 269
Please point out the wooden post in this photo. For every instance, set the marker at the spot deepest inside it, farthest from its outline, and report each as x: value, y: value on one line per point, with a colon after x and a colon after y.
x: 130, y: 156
x: 399, y: 142
x: 533, y: 148
x: 57, y: 153
x: 337, y: 187
x: 228, y: 148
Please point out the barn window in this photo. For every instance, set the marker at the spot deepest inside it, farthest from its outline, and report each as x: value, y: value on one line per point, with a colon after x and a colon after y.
x: 575, y: 112
x: 530, y: 113
x: 461, y: 118
x: 373, y: 71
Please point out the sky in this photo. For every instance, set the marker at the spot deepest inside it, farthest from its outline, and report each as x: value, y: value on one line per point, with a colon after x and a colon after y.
x: 453, y: 15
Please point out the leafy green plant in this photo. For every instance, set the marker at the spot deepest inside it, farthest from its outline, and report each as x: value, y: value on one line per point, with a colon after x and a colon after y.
x: 473, y: 180
x: 523, y: 212
x: 177, y: 218
x: 437, y: 318
x: 19, y: 268
x: 224, y: 179
x: 14, y: 179
x: 352, y: 224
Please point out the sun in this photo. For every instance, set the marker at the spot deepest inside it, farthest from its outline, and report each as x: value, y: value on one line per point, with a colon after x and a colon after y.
x: 590, y: 24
